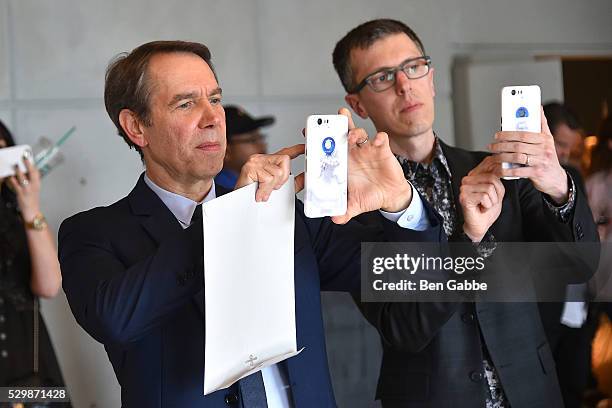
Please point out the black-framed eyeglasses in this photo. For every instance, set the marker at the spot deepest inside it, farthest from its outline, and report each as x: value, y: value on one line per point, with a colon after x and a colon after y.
x: 379, y: 81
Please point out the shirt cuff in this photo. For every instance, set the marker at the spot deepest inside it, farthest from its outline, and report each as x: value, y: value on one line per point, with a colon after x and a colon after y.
x: 414, y: 217
x: 563, y: 211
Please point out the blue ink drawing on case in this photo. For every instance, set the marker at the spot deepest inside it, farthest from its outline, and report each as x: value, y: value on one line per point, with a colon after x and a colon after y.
x: 329, y: 144
x: 522, y: 112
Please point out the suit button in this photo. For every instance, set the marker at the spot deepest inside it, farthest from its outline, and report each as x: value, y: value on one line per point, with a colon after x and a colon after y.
x: 231, y: 399
x: 476, y: 376
x: 467, y: 318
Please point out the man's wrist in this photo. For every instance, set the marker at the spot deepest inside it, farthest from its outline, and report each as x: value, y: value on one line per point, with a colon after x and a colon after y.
x: 473, y: 236
x: 400, y: 202
x: 561, y: 194
x: 564, y: 210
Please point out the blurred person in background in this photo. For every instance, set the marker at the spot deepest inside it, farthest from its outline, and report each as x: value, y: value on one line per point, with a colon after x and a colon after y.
x: 569, y: 138
x: 244, y: 139
x: 599, y: 190
x: 599, y: 180
x: 29, y: 269
x: 570, y: 326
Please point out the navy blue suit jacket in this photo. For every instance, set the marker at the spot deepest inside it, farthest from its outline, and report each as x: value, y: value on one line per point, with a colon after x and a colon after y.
x: 134, y: 281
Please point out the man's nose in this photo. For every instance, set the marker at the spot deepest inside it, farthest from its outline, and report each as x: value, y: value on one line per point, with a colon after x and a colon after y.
x: 210, y: 117
x: 402, y: 82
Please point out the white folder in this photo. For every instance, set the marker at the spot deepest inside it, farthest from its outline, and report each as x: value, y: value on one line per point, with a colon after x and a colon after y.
x: 248, y: 284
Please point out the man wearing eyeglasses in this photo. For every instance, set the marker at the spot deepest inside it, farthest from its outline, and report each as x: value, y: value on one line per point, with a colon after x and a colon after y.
x: 468, y: 354
x: 244, y: 139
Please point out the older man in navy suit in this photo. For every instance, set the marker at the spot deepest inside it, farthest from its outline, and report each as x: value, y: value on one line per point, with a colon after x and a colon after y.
x: 132, y: 271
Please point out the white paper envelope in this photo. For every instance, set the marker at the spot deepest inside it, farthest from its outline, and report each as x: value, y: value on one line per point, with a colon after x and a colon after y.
x: 248, y: 284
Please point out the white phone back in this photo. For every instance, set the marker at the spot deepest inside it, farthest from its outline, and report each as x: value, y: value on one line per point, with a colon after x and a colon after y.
x: 11, y: 156
x: 326, y: 166
x: 520, y: 111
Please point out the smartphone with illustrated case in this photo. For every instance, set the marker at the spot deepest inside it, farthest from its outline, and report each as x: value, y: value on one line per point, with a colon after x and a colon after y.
x: 520, y: 107
x: 326, y: 178
x: 11, y: 156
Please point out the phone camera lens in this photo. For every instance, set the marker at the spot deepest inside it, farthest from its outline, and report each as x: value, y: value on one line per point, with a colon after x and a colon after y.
x: 513, y: 92
x: 319, y: 121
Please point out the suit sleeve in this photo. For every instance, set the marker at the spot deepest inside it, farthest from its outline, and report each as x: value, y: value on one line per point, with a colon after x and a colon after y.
x: 337, y: 248
x: 406, y: 326
x: 409, y: 326
x: 540, y: 224
x: 118, y: 303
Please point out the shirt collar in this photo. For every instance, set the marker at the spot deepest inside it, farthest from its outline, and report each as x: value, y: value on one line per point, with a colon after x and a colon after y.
x: 181, y: 207
x: 437, y: 156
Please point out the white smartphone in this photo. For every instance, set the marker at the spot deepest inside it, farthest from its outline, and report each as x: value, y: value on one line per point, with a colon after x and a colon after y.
x: 520, y: 106
x: 11, y: 156
x: 326, y: 182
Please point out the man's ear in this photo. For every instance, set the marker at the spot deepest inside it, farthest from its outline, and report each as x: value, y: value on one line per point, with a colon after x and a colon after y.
x: 133, y: 127
x: 355, y: 104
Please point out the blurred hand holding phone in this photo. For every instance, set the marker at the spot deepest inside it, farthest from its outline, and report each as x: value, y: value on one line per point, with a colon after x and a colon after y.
x: 13, y: 156
x: 45, y: 154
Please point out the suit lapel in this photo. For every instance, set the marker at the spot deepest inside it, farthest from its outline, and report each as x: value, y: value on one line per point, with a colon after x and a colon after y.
x: 198, y: 298
x: 460, y: 165
x: 157, y: 219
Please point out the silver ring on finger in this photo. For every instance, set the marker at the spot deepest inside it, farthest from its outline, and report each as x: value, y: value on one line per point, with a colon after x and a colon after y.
x: 25, y: 182
x: 364, y: 141
x: 526, y: 159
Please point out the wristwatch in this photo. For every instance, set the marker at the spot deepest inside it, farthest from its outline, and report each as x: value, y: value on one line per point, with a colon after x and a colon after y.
x: 38, y: 223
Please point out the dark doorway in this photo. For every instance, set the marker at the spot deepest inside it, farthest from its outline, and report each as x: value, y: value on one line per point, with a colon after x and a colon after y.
x: 587, y: 88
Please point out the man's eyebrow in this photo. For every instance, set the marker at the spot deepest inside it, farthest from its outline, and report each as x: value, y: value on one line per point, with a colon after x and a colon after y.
x: 192, y: 95
x: 216, y: 91
x: 187, y: 95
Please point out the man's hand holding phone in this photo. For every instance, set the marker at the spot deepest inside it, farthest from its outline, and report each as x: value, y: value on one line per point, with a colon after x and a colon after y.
x: 537, y: 152
x: 375, y: 177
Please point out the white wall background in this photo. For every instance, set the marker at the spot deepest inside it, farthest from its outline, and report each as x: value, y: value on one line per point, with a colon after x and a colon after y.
x: 273, y: 57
